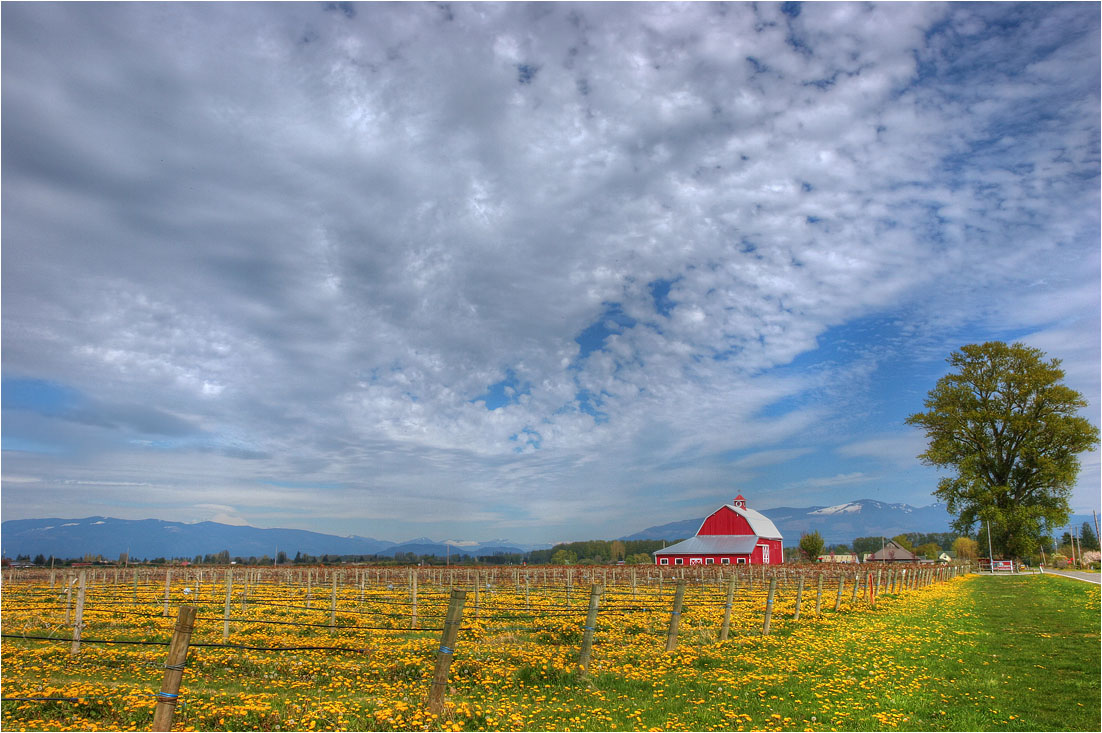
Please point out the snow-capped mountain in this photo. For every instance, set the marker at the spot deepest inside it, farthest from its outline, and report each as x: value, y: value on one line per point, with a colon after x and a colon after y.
x: 837, y: 524
x: 149, y: 538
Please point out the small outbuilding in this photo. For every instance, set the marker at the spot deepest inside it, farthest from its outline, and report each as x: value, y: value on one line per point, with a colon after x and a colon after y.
x: 892, y: 551
x: 731, y: 535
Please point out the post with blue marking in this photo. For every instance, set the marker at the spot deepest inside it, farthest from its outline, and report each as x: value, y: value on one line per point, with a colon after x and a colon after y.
x: 675, y: 615
x: 725, y: 630
x: 590, y: 627
x: 769, y: 606
x: 174, y: 669
x: 447, y: 651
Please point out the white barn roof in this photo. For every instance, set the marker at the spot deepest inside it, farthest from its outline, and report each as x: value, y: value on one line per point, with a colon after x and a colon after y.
x: 713, y: 544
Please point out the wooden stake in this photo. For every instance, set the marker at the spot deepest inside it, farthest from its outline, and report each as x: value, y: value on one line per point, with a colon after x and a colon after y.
x: 799, y: 597
x: 590, y: 627
x: 79, y: 621
x: 168, y: 586
x: 333, y: 604
x: 174, y: 669
x: 446, y: 652
x: 725, y: 630
x: 769, y: 606
x: 841, y: 587
x: 819, y: 597
x: 413, y: 594
x: 675, y: 615
x: 226, y: 613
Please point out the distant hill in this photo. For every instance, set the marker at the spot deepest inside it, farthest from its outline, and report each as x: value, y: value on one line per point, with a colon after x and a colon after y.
x: 837, y: 524
x: 150, y: 538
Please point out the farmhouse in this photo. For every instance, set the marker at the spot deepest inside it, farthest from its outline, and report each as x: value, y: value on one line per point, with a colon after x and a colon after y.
x: 730, y: 535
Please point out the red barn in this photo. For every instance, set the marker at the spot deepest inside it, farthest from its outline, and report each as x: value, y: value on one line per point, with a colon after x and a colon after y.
x: 731, y: 535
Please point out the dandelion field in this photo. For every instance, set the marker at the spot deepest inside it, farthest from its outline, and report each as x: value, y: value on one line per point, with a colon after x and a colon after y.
x: 351, y: 649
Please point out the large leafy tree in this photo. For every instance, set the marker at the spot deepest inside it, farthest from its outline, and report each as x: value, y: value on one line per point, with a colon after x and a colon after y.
x: 812, y: 545
x: 1009, y: 429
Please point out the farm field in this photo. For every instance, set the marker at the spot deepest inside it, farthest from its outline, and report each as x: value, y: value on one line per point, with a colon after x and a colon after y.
x: 333, y: 649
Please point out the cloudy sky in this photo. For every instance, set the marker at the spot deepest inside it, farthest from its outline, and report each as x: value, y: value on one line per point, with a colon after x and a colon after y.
x: 539, y: 272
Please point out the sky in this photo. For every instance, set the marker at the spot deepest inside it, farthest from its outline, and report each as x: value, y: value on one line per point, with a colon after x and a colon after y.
x: 536, y: 272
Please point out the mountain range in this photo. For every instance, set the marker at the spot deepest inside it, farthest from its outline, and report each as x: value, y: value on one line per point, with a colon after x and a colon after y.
x: 150, y: 538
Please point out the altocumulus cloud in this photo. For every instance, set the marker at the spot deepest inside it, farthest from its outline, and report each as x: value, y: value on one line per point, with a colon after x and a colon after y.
x: 566, y: 270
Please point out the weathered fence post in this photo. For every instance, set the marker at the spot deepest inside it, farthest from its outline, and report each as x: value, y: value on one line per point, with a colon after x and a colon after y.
x: 819, y: 596
x: 447, y: 651
x: 841, y: 587
x: 413, y: 593
x: 78, y: 622
x: 226, y: 612
x: 590, y: 627
x: 174, y: 669
x: 168, y: 586
x: 856, y: 588
x: 799, y: 597
x: 769, y: 606
x: 675, y: 615
x: 725, y: 630
x: 333, y: 603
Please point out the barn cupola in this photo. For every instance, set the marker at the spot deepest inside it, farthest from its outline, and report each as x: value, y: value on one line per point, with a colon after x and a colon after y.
x: 740, y: 502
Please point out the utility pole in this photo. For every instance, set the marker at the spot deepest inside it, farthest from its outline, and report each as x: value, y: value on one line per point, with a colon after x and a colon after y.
x: 990, y: 553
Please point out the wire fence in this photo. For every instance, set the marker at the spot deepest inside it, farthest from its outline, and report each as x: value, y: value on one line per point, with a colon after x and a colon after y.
x: 277, y: 621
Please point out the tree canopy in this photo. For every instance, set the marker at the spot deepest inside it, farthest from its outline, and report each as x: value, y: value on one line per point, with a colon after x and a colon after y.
x: 812, y: 545
x: 1009, y: 429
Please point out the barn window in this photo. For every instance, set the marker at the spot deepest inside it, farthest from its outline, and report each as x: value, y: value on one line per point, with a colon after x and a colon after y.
x: 664, y: 561
x: 725, y: 560
x: 709, y: 561
x: 742, y: 561
x: 679, y: 561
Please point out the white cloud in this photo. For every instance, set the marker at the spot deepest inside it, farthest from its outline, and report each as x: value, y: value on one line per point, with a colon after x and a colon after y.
x: 306, y: 250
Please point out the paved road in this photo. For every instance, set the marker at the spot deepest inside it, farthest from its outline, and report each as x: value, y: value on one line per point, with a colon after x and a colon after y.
x: 1095, y: 578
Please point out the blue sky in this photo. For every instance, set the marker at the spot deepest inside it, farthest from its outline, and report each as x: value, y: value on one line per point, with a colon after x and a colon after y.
x: 539, y: 272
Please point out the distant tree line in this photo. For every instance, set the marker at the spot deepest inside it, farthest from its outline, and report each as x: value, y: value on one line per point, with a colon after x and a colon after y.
x: 602, y: 552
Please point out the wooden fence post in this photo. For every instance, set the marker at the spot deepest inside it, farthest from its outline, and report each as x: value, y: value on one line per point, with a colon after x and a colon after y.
x: 590, y: 627
x: 78, y: 622
x: 725, y: 630
x: 675, y: 615
x: 769, y: 606
x: 413, y: 593
x: 226, y: 612
x: 447, y: 651
x: 799, y: 597
x: 841, y: 587
x: 168, y: 586
x: 174, y: 669
x: 856, y: 588
x: 333, y: 603
x: 819, y: 596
